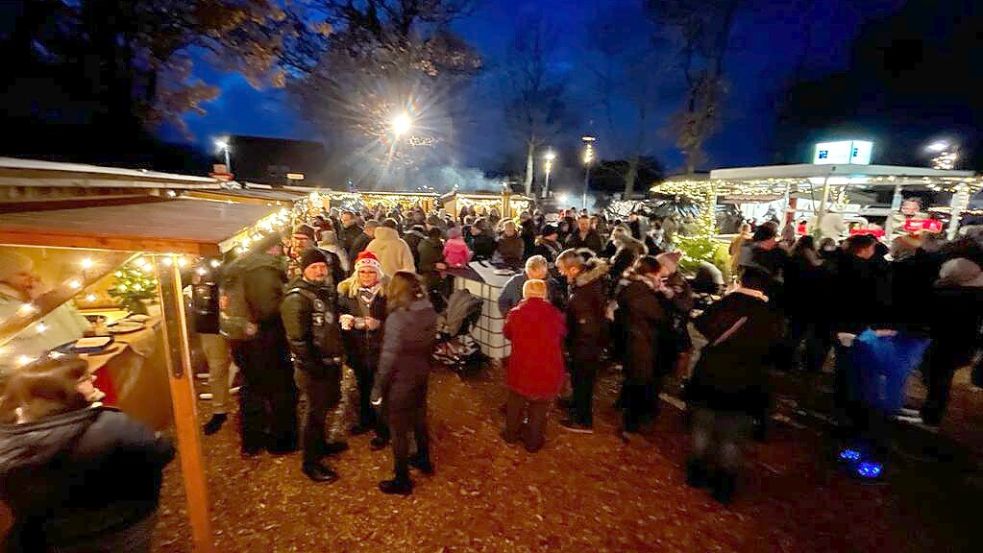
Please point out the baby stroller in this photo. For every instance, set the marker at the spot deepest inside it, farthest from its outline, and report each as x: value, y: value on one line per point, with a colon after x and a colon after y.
x: 456, y: 348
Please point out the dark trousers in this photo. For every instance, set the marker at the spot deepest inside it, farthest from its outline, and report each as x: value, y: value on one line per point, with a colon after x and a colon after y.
x: 525, y: 419
x: 640, y: 402
x: 268, y: 396
x: 817, y: 342
x: 402, y: 422
x: 367, y: 415
x: 942, y: 365
x: 719, y: 436
x: 583, y: 373
x: 320, y: 394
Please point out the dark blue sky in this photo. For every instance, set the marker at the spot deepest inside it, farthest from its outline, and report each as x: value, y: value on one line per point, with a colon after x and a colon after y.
x: 768, y: 41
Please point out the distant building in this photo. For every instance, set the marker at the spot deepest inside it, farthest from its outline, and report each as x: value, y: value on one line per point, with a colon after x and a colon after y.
x: 270, y: 160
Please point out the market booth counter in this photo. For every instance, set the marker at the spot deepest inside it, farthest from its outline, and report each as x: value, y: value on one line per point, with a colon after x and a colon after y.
x: 105, y: 282
x: 486, y: 281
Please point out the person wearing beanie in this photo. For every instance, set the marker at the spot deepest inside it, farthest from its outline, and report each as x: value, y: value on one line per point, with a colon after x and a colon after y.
x: 456, y: 252
x: 413, y: 237
x: 548, y: 243
x: 362, y: 305
x: 392, y: 251
x: 310, y: 318
x: 535, y: 370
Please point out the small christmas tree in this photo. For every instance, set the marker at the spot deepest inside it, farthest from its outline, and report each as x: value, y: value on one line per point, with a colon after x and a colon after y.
x: 133, y: 285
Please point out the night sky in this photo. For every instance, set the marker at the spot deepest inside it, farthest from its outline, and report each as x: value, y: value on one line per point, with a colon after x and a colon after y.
x: 768, y: 42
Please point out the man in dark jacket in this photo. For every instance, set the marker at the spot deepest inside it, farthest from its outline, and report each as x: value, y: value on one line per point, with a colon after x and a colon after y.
x: 413, y: 237
x: 268, y: 395
x: 585, y: 237
x: 205, y: 318
x: 363, y: 239
x: 729, y: 381
x: 431, y: 261
x: 587, y: 333
x: 348, y: 231
x: 309, y: 312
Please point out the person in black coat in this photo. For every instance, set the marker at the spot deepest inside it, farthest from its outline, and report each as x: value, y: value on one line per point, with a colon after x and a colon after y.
x: 642, y: 318
x: 482, y: 241
x: 528, y: 231
x: 408, y: 341
x: 74, y: 475
x: 584, y: 237
x: 587, y: 332
x: 348, y: 231
x: 413, y: 237
x: 806, y: 289
x: 729, y: 382
x: 360, y: 242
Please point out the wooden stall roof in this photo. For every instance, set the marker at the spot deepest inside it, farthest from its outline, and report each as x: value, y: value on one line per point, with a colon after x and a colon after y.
x: 38, y: 173
x: 187, y: 226
x: 251, y: 195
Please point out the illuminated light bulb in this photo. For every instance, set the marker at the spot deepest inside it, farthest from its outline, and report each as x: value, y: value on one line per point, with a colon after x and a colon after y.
x: 41, y: 328
x: 90, y: 298
x: 87, y: 263
x: 201, y: 271
x: 74, y: 284
x: 182, y: 262
x: 27, y: 309
x: 118, y: 274
x: 122, y: 288
x: 215, y: 263
x: 167, y: 261
x: 56, y: 355
x: 24, y: 360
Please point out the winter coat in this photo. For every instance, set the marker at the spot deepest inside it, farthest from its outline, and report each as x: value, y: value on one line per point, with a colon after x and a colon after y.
x: 956, y: 319
x: 535, y: 366
x: 511, y: 293
x: 347, y: 237
x: 262, y: 282
x: 404, y: 365
x: 310, y: 317
x: 361, y: 344
x: 483, y: 246
x: 528, y: 232
x: 862, y: 295
x: 510, y: 249
x: 547, y: 249
x: 413, y: 239
x: 912, y: 288
x: 359, y: 243
x: 79, y: 475
x: 204, y: 303
x: 731, y: 374
x: 393, y: 252
x: 431, y: 252
x: 643, y: 319
x: 586, y: 305
x: 625, y: 255
x: 806, y: 289
x: 592, y: 241
x: 456, y: 253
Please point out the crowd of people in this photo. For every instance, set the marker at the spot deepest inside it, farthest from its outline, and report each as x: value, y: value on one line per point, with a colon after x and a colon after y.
x: 359, y: 290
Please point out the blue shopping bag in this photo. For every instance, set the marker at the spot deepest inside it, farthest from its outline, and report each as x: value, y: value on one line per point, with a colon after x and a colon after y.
x: 880, y: 366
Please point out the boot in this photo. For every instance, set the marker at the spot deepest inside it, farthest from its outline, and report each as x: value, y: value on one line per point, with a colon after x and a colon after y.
x: 320, y: 473
x: 334, y: 448
x: 423, y: 464
x: 378, y: 443
x: 215, y: 423
x: 396, y: 486
x: 696, y: 473
x: 723, y: 486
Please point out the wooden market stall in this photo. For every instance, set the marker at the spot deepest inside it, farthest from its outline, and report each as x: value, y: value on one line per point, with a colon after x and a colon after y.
x: 162, y: 235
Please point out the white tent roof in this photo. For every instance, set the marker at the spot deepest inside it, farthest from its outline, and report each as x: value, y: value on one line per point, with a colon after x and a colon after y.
x: 902, y: 175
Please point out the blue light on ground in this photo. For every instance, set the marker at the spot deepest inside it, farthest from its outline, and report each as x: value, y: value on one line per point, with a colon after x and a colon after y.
x: 850, y: 455
x: 869, y: 469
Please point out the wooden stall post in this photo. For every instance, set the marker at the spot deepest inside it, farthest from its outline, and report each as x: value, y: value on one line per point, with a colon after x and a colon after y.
x: 177, y: 353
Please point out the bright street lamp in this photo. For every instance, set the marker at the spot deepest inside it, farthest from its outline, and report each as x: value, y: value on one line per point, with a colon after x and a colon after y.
x: 588, y: 159
x: 945, y: 154
x: 550, y: 156
x: 937, y: 146
x: 401, y: 124
x: 222, y: 145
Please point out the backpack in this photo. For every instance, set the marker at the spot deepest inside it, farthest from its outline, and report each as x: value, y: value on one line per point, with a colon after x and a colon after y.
x: 235, y: 318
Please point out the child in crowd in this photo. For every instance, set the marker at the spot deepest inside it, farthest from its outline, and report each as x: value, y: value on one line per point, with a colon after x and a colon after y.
x: 456, y: 252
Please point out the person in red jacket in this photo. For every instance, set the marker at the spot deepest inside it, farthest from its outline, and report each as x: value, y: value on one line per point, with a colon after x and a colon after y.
x: 535, y: 368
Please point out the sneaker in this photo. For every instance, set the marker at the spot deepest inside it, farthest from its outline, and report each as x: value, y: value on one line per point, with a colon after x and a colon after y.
x: 396, y: 487
x: 215, y: 423
x: 574, y: 426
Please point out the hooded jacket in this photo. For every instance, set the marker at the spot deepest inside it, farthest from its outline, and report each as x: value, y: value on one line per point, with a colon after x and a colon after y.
x: 535, y: 367
x: 310, y: 318
x: 407, y: 347
x: 587, y: 328
x: 393, y: 252
x: 76, y: 476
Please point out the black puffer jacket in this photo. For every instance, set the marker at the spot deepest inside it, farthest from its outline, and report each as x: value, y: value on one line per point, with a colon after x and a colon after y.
x: 407, y: 346
x: 79, y: 475
x: 643, y: 319
x: 310, y: 317
x: 484, y: 246
x: 586, y: 323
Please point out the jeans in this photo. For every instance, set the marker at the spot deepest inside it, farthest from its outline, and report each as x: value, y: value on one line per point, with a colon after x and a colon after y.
x: 719, y: 436
x: 402, y: 422
x: 216, y: 350
x: 525, y: 419
x: 583, y: 373
x: 320, y: 394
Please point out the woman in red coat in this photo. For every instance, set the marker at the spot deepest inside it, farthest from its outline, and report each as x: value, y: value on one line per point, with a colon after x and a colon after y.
x: 535, y: 368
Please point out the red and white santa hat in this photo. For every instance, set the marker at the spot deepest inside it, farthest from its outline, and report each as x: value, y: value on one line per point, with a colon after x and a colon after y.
x: 368, y: 260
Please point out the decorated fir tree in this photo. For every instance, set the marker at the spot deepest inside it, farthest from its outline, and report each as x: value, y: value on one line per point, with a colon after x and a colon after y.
x: 133, y: 285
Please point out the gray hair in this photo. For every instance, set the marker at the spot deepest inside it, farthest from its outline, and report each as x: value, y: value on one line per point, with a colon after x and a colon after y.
x: 536, y: 262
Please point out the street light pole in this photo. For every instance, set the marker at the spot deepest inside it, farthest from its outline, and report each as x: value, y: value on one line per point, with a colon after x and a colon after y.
x: 223, y: 145
x: 550, y: 156
x: 588, y: 158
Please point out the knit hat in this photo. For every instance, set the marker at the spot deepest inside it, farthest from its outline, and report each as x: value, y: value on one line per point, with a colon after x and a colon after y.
x: 669, y: 260
x: 311, y: 256
x: 960, y: 272
x: 13, y: 262
x: 305, y: 230
x: 368, y: 260
x: 549, y: 230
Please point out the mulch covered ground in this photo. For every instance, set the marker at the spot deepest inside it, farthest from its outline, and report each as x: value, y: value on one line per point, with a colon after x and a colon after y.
x: 580, y: 493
